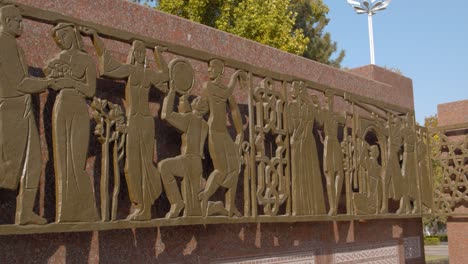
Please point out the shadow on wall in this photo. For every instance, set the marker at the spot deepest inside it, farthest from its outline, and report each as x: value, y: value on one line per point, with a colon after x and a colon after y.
x: 196, y: 244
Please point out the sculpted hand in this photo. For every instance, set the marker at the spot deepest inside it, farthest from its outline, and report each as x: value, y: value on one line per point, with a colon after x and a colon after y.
x: 184, y: 98
x: 87, y: 31
x: 52, y: 83
x: 171, y: 87
x: 61, y: 83
x: 160, y: 49
x: 315, y: 100
x: 239, y: 139
x: 243, y: 78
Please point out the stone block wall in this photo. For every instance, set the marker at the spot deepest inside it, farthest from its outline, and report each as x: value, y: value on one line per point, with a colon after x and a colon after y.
x: 452, y: 114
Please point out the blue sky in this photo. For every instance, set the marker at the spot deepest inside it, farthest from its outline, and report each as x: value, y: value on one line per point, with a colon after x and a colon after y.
x: 428, y: 43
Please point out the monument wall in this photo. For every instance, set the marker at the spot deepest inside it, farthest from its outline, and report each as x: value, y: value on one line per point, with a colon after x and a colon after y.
x: 319, y: 239
x: 453, y: 118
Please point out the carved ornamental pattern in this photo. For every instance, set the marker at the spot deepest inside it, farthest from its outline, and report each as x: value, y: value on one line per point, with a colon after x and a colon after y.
x: 450, y: 167
x: 292, y: 151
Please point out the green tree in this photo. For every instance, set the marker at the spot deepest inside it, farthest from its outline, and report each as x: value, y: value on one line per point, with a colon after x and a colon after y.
x: 202, y: 11
x: 312, y: 19
x: 268, y: 22
x: 290, y: 25
x: 434, y: 222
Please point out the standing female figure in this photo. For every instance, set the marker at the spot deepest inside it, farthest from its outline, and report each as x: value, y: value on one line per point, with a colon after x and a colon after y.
x: 307, y: 196
x: 142, y: 176
x: 74, y: 72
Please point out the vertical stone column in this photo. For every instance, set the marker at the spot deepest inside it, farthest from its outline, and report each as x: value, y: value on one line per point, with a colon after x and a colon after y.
x: 452, y: 114
x: 401, y: 87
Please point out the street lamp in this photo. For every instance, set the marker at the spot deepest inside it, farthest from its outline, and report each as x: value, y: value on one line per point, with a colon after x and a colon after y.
x: 369, y: 7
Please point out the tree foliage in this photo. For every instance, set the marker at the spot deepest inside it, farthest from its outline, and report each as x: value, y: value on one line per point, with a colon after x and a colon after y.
x: 434, y: 223
x: 312, y: 19
x: 269, y: 22
x: 437, y: 173
x: 295, y: 26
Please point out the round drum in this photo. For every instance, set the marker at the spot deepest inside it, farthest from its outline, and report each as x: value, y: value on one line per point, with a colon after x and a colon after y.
x: 182, y: 76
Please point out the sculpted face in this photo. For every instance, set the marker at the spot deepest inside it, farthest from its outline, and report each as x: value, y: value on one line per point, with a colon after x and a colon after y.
x: 139, y: 53
x: 65, y: 38
x: 12, y: 23
x: 397, y: 121
x: 374, y: 151
x: 296, y: 90
x: 215, y: 69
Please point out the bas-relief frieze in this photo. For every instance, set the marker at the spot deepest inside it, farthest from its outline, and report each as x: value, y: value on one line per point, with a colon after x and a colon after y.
x: 449, y: 154
x: 292, y: 156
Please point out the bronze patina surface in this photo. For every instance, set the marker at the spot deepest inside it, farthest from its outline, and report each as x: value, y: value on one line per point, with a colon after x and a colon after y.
x: 290, y: 155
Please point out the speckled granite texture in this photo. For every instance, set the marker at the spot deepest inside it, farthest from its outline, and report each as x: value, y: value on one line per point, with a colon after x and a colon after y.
x: 317, y: 242
x: 454, y: 113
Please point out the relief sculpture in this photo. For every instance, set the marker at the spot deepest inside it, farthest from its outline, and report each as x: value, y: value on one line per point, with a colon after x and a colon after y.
x: 141, y: 174
x: 293, y: 150
x: 307, y: 196
x: 393, y: 177
x: 271, y: 160
x: 449, y: 160
x: 424, y: 171
x: 188, y: 120
x: 409, y: 167
x: 396, y: 137
x: 110, y: 129
x: 224, y: 152
x: 369, y: 202
x: 19, y: 139
x: 74, y: 73
x: 332, y: 154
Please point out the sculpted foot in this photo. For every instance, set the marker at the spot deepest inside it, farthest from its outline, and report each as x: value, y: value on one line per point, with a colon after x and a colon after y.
x: 133, y: 214
x: 203, y: 204
x: 32, y: 219
x: 234, y: 212
x: 142, y: 216
x: 332, y: 212
x: 175, y: 210
x: 201, y: 196
x: 402, y: 210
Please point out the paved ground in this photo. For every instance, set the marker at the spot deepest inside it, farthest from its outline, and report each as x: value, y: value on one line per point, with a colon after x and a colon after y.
x: 439, y: 250
x: 437, y: 254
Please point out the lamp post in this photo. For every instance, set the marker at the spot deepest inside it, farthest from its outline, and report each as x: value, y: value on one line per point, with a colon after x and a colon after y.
x: 369, y: 7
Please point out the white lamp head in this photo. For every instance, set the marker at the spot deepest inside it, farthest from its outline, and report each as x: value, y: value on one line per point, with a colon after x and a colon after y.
x: 369, y: 7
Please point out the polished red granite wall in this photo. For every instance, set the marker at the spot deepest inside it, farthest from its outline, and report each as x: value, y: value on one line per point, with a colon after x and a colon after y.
x: 319, y: 242
x: 452, y: 113
x: 449, y: 114
x: 395, y: 241
x: 145, y: 21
